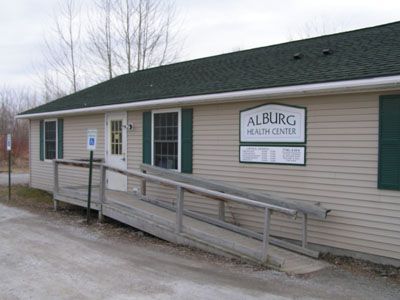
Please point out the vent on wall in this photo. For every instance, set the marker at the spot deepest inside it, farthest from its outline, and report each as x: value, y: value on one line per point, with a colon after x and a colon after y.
x: 297, y: 55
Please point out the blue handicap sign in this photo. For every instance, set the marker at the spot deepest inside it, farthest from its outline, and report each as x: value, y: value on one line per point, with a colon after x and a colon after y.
x: 91, y: 139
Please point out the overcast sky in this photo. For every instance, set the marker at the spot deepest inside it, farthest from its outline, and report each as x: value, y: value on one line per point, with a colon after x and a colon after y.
x: 207, y: 26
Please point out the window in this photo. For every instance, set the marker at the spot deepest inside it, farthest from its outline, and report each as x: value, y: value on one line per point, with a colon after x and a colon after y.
x: 50, y: 139
x: 166, y: 139
x: 116, y: 137
x: 389, y: 143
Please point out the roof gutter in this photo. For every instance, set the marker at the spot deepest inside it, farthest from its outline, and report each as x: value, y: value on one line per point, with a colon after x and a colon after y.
x: 336, y: 87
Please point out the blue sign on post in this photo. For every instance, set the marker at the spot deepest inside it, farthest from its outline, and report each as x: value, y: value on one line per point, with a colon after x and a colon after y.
x: 9, y: 142
x: 91, y: 139
x: 9, y: 165
x: 91, y: 146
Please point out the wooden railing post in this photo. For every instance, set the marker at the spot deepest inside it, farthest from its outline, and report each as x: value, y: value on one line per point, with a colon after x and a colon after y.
x: 221, y: 210
x: 265, y: 243
x: 304, y: 231
x: 56, y: 187
x: 102, y: 190
x: 179, y: 209
x: 143, y: 185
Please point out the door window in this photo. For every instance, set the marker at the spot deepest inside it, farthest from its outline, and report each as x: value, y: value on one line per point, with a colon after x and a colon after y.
x: 116, y: 137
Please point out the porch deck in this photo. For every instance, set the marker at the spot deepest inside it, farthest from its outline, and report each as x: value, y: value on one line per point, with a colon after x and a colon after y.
x: 159, y: 221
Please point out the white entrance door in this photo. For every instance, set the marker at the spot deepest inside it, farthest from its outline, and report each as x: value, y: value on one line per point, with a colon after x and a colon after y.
x: 116, y: 139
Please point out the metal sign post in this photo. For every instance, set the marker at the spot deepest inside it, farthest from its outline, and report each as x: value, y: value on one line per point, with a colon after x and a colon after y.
x: 9, y: 165
x: 91, y: 146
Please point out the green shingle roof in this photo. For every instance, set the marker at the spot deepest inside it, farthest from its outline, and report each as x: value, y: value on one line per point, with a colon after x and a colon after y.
x: 364, y: 53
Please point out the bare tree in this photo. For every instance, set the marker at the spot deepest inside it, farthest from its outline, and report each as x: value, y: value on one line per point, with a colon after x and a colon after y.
x: 126, y: 13
x: 63, y: 48
x: 146, y: 33
x: 120, y: 36
x: 102, y: 43
x: 13, y: 101
x: 316, y: 27
x: 51, y: 87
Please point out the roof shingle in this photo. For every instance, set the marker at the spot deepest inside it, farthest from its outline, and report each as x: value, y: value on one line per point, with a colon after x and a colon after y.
x: 358, y: 54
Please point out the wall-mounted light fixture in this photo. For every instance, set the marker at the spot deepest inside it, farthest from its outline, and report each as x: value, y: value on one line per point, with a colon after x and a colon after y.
x: 129, y: 127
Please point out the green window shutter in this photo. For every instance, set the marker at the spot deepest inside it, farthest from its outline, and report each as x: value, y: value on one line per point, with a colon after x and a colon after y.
x: 389, y: 143
x: 60, y: 137
x: 147, y: 137
x: 187, y: 141
x: 41, y: 140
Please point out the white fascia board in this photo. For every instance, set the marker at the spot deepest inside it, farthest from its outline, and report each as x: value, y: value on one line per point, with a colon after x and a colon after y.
x: 327, y: 88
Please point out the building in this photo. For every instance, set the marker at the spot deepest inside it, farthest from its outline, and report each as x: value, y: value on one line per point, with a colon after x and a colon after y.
x: 313, y: 120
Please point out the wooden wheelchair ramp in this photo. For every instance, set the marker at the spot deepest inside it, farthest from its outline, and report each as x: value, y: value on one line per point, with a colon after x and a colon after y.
x: 177, y: 225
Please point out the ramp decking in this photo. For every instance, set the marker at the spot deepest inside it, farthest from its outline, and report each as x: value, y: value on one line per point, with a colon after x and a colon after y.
x: 131, y: 209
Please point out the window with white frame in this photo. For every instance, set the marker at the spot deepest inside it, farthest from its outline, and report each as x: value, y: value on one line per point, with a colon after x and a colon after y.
x: 50, y: 139
x: 166, y: 140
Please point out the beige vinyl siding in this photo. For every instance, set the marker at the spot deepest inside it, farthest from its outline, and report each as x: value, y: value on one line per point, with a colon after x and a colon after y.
x: 134, y: 146
x: 341, y: 172
x: 163, y: 193
x: 75, y: 133
x: 40, y: 171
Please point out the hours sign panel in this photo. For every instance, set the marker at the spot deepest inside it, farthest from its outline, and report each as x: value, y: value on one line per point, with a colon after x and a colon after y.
x: 273, y: 123
x: 273, y: 155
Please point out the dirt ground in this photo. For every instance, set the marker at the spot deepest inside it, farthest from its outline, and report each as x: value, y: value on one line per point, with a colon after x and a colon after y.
x: 46, y: 255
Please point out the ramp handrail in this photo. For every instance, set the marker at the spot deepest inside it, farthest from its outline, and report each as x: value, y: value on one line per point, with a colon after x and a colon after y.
x: 205, y: 192
x: 181, y: 187
x: 309, y: 208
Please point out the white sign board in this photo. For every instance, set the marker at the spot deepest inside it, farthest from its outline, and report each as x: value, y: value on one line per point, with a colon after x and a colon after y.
x: 273, y: 155
x: 91, y: 139
x: 273, y: 123
x: 9, y: 142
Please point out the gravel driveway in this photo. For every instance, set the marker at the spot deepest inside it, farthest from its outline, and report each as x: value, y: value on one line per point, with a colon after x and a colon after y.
x: 44, y: 257
x: 19, y: 178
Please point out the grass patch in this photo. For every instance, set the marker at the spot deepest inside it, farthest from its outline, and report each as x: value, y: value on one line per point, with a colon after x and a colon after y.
x: 26, y: 197
x: 40, y: 202
x: 27, y: 192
